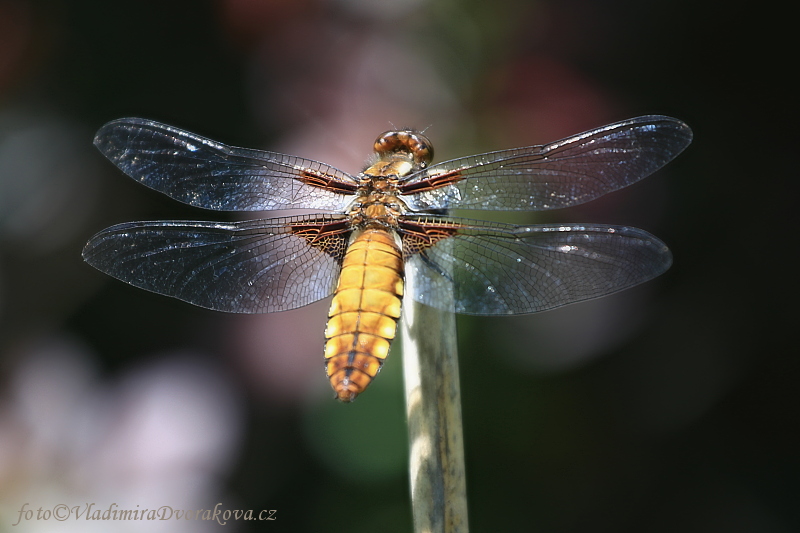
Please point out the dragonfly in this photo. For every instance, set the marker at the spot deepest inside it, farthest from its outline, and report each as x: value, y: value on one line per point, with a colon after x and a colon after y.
x: 375, y: 226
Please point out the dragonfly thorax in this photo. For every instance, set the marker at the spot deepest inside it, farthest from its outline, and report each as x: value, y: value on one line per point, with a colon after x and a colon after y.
x: 376, y: 202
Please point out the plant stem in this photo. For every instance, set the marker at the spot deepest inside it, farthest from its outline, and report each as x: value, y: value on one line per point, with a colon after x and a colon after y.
x: 433, y: 410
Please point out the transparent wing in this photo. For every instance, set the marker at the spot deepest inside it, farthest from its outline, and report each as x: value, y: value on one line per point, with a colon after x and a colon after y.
x: 211, y: 175
x: 256, y: 266
x: 551, y: 176
x: 501, y: 269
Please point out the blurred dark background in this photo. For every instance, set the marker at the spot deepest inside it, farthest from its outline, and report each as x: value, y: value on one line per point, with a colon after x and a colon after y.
x: 668, y: 407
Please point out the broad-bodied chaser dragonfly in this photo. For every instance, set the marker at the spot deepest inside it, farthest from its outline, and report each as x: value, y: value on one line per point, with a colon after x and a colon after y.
x: 380, y: 223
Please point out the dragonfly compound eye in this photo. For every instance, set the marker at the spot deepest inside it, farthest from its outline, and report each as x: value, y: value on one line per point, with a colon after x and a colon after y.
x: 413, y: 144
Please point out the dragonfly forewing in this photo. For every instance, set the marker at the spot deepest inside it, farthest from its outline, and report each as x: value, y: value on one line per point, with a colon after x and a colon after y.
x: 551, y: 176
x: 204, y: 173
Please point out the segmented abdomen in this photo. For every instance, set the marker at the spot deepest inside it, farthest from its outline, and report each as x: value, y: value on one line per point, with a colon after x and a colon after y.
x: 364, y: 312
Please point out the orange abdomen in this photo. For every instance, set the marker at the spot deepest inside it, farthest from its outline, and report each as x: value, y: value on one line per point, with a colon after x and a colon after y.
x: 364, y: 312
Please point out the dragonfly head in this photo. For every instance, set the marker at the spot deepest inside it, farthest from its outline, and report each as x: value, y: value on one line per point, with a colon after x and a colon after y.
x: 406, y: 143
